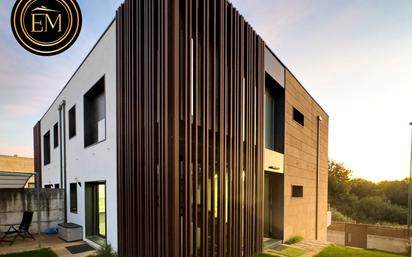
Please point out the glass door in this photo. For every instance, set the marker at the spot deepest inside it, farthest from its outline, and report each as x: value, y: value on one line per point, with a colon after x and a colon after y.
x: 95, y: 211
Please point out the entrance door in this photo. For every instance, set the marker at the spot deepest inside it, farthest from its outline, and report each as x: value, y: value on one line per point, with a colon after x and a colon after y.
x: 95, y: 210
x: 273, y: 205
x: 268, y: 208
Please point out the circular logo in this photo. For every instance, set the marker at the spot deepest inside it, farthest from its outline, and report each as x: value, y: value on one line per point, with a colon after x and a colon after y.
x: 46, y: 27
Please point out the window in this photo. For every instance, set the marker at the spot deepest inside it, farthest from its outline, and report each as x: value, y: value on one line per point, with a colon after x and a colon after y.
x: 72, y: 122
x: 274, y: 115
x: 73, y: 197
x: 95, y: 114
x: 298, y: 117
x: 297, y: 191
x: 57, y: 186
x: 48, y: 186
x: 46, y: 148
x: 56, y: 135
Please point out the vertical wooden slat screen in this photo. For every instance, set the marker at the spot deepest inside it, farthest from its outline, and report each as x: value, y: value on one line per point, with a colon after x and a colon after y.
x: 37, y: 153
x: 221, y: 131
x: 147, y: 128
x: 190, y: 92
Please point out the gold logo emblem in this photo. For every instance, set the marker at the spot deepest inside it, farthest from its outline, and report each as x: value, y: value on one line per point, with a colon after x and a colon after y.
x: 46, y: 27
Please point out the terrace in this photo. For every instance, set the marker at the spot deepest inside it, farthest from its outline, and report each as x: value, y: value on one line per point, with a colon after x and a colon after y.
x: 55, y: 244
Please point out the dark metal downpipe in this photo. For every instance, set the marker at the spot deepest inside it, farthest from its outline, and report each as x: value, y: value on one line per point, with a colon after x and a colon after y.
x: 62, y: 136
x: 317, y: 179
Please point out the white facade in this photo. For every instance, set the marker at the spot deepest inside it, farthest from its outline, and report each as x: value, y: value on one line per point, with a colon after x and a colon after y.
x: 98, y: 161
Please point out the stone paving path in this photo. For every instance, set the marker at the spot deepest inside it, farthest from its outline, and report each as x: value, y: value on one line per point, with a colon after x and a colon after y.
x: 311, y: 247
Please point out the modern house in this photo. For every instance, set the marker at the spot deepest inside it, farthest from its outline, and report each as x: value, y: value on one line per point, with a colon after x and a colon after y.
x: 182, y: 134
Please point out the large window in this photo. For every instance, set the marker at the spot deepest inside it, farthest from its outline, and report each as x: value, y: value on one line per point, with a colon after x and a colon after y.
x: 95, y: 114
x: 72, y: 122
x: 274, y: 115
x: 56, y: 135
x: 73, y: 197
x: 46, y: 148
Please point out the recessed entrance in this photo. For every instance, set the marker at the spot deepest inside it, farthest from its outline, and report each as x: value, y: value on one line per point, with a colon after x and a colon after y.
x: 273, y: 205
x: 95, y: 206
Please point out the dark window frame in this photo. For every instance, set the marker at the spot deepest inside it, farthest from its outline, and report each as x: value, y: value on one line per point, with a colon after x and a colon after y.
x: 274, y: 111
x: 73, y: 198
x: 93, y: 94
x: 46, y: 148
x: 56, y: 135
x: 297, y: 191
x: 72, y: 122
x: 298, y: 117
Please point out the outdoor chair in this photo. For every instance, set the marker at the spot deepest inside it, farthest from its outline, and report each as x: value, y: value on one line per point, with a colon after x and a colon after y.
x: 21, y: 231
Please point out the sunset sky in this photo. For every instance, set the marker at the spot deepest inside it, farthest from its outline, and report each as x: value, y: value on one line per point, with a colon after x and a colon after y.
x: 354, y: 57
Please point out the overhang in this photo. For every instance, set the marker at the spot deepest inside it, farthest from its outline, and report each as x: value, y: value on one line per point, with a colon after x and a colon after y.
x: 14, y: 179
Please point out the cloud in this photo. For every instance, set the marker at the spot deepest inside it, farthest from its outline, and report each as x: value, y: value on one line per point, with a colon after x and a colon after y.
x: 30, y: 83
x: 354, y: 57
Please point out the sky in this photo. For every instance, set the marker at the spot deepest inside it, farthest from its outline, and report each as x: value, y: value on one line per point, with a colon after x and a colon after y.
x: 353, y: 56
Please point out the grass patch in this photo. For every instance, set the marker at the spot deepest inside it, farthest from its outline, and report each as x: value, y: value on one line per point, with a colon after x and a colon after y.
x: 341, y: 251
x: 294, y: 240
x: 290, y: 251
x: 36, y: 253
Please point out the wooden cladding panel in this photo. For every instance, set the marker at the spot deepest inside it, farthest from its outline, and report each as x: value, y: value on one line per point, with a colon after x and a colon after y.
x: 37, y: 153
x: 221, y: 131
x: 190, y: 95
x: 147, y: 134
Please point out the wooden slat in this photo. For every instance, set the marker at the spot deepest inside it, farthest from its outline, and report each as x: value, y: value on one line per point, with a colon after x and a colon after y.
x: 190, y: 91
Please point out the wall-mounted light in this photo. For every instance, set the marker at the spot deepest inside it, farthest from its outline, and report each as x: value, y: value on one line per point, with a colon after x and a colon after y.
x: 78, y: 182
x: 274, y: 168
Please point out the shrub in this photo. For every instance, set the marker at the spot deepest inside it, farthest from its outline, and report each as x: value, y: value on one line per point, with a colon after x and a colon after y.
x: 106, y: 251
x: 294, y: 240
x: 339, y: 217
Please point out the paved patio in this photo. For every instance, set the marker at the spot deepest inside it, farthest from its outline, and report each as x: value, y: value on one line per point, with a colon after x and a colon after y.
x: 47, y: 241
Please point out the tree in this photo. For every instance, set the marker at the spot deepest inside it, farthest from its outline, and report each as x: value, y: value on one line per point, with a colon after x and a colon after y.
x: 363, y: 188
x: 365, y: 201
x: 396, y: 191
x: 375, y: 209
x: 339, y: 182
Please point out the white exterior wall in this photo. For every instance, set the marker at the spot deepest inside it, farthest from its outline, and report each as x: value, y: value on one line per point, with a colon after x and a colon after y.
x: 96, y: 162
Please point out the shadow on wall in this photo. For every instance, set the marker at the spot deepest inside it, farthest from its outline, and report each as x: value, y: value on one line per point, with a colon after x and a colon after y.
x: 13, y: 202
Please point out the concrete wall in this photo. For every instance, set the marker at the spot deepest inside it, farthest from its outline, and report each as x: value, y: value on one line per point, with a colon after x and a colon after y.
x: 301, y: 163
x: 13, y: 202
x: 96, y: 162
x: 337, y: 237
x: 390, y: 244
x: 377, y: 237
